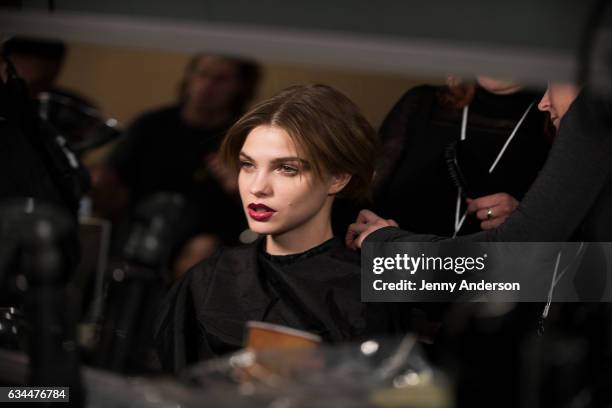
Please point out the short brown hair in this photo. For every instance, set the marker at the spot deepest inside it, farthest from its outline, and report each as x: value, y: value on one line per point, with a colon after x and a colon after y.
x: 334, y: 135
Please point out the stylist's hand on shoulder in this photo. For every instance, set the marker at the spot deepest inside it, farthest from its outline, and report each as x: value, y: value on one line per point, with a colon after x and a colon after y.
x: 367, y: 222
x: 493, y: 209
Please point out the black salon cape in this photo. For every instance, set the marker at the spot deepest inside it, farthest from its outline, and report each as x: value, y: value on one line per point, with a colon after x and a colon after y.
x: 204, y: 315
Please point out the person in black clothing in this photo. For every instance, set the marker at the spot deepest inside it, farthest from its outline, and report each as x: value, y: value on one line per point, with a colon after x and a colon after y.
x: 294, y: 154
x: 38, y: 159
x: 569, y: 200
x: 500, y: 143
x: 37, y: 61
x: 44, y: 179
x: 174, y: 149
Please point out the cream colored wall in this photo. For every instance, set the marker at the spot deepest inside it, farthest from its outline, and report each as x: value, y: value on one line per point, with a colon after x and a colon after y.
x: 125, y: 82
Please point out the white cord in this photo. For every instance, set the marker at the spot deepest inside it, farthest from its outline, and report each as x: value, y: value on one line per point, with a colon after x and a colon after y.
x: 459, y: 220
x: 552, y: 287
x: 503, y: 149
x: 464, y: 122
x: 556, y: 279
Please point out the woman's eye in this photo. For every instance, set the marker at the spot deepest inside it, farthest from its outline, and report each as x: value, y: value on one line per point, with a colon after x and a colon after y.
x: 289, y: 170
x: 246, y: 165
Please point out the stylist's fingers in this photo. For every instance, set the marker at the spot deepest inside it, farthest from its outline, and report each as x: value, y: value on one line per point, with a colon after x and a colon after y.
x: 506, y: 201
x: 493, y: 223
x: 502, y: 210
x: 369, y: 228
x: 367, y: 222
x: 367, y: 216
x: 483, y: 202
x: 487, y: 213
x: 352, y: 234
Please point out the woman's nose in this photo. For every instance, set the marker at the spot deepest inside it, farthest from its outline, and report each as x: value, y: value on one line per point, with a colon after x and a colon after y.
x: 544, y: 104
x: 260, y: 184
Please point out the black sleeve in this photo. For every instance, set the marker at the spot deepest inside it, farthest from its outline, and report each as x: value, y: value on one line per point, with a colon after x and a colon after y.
x: 397, y: 120
x: 576, y: 171
x: 399, y: 125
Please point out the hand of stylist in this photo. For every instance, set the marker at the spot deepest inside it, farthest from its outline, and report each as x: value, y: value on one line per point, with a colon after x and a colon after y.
x: 366, y: 223
x: 493, y: 209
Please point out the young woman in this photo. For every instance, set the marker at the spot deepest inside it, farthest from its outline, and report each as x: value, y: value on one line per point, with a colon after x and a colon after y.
x: 294, y: 153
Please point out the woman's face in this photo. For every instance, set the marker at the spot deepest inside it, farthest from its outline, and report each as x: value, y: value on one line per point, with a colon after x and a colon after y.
x: 213, y: 84
x: 278, y: 189
x: 557, y: 100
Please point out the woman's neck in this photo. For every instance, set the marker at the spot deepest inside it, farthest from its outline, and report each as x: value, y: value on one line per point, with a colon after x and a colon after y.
x: 314, y: 232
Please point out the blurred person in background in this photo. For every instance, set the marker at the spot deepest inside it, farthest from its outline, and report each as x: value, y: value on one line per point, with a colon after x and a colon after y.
x: 39, y: 62
x: 569, y: 199
x: 174, y: 149
x: 80, y: 130
x: 40, y: 163
x: 498, y: 142
x: 493, y: 130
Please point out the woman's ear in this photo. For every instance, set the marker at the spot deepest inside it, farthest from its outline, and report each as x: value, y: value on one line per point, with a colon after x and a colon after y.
x: 338, y: 182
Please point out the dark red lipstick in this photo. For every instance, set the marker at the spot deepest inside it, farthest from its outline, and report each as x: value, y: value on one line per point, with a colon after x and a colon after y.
x: 260, y: 212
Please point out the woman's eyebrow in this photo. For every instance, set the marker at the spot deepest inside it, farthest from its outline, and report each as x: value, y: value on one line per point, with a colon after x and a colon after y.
x: 246, y: 156
x: 278, y: 160
x: 289, y: 159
